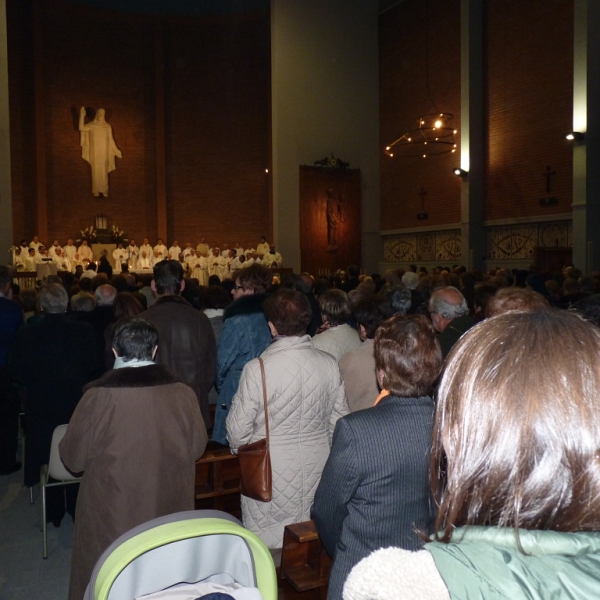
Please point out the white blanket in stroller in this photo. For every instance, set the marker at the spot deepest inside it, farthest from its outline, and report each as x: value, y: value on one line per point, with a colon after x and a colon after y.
x: 191, y: 591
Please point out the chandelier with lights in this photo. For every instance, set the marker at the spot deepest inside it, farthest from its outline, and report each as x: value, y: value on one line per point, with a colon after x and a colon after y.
x: 433, y: 135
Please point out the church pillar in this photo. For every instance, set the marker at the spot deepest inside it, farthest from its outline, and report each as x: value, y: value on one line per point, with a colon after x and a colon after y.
x: 472, y: 135
x: 586, y: 119
x: 6, y: 224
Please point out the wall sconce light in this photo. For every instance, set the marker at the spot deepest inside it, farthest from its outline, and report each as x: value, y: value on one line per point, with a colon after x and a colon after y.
x: 576, y: 136
x: 460, y: 172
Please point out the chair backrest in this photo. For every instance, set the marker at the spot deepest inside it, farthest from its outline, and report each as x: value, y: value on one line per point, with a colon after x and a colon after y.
x: 56, y: 468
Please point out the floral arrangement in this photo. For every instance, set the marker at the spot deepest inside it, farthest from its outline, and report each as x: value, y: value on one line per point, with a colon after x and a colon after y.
x: 117, y: 234
x: 89, y: 233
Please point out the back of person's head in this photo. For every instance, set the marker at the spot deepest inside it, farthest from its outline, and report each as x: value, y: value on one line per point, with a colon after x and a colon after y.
x: 408, y: 357
x: 400, y: 300
x: 85, y: 284
x: 303, y: 283
x: 91, y: 266
x: 370, y: 313
x: 353, y: 271
x: 214, y: 280
x: 255, y: 277
x: 168, y: 275
x: 217, y: 297
x: 514, y: 298
x: 119, y: 282
x: 410, y: 280
x: 126, y: 305
x: 105, y: 295
x: 28, y: 299
x: 571, y: 286
x: 322, y: 284
x: 448, y: 302
x: 83, y: 302
x: 516, y: 425
x: 335, y: 306
x: 289, y: 311
x: 134, y: 338
x: 99, y: 280
x: 53, y: 298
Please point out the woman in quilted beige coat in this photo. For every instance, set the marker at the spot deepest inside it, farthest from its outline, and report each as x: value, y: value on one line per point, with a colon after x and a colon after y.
x: 305, y: 396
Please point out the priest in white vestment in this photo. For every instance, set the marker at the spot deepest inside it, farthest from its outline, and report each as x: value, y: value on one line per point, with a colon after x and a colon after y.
x: 161, y: 249
x: 145, y: 261
x: 249, y: 250
x: 133, y: 253
x: 31, y: 260
x: 225, y: 251
x: 19, y: 259
x: 188, y: 250
x: 202, y: 247
x: 84, y: 251
x: 272, y: 259
x: 263, y: 247
x: 119, y: 257
x: 35, y: 244
x: 174, y: 251
x: 200, y: 269
x: 216, y: 264
x: 147, y: 248
x: 69, y: 250
x: 61, y: 261
x: 53, y: 248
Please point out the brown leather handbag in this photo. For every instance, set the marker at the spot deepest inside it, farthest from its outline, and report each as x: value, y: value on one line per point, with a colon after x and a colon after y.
x: 255, y: 459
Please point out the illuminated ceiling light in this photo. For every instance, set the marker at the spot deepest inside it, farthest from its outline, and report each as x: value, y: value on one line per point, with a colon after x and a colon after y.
x: 460, y: 172
x: 575, y: 136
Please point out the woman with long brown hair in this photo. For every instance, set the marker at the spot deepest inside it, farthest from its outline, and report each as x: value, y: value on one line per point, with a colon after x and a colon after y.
x: 515, y: 470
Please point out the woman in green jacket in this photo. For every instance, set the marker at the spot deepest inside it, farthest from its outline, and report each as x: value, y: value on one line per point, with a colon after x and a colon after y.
x: 515, y: 470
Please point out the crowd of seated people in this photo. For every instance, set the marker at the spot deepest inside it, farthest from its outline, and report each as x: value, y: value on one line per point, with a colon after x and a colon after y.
x: 333, y: 345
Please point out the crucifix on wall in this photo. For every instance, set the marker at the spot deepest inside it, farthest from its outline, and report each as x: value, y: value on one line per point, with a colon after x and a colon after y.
x: 422, y: 215
x: 548, y: 174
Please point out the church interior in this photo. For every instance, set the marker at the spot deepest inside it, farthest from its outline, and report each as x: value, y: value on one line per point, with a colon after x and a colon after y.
x: 221, y: 111
x: 238, y: 119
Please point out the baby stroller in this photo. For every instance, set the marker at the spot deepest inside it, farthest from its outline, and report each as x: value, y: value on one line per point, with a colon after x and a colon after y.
x: 166, y: 558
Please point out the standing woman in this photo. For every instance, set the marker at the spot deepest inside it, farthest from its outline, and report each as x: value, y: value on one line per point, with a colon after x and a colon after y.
x: 515, y: 469
x: 305, y: 397
x: 244, y: 336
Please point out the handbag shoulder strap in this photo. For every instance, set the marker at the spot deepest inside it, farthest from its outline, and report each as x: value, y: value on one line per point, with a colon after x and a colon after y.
x: 264, y: 388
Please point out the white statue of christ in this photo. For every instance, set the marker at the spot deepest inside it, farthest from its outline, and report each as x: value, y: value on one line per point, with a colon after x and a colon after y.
x: 99, y: 149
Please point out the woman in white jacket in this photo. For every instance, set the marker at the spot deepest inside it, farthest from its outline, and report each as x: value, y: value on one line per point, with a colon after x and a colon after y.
x: 305, y: 396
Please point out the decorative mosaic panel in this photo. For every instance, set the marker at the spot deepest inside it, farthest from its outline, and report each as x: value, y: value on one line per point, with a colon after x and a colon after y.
x: 519, y: 241
x: 448, y: 246
x: 400, y: 248
x: 554, y: 235
x: 499, y: 245
x: 426, y: 246
x: 429, y: 246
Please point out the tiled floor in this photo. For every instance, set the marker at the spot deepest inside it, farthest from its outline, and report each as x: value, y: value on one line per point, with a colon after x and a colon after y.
x: 24, y: 573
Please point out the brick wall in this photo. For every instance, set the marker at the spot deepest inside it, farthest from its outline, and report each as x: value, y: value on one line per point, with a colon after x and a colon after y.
x: 528, y: 59
x: 403, y: 35
x: 530, y: 105
x: 217, y: 109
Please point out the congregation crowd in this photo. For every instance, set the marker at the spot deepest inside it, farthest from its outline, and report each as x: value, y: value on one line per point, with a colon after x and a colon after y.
x: 439, y: 426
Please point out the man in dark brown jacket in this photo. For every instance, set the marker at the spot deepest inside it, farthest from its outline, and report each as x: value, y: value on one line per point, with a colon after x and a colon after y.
x: 187, y: 342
